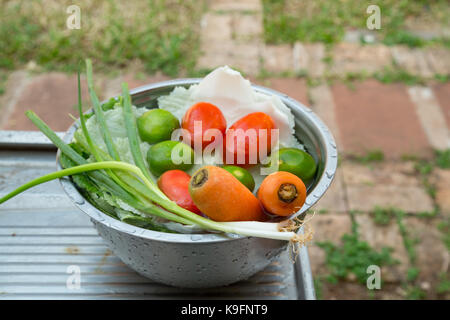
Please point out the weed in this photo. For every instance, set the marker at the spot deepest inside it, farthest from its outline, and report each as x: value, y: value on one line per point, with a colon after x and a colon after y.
x: 414, y: 293
x: 383, y: 216
x: 370, y: 157
x: 3, y: 79
x: 443, y: 158
x: 424, y: 167
x: 412, y: 273
x: 442, y: 78
x: 444, y: 284
x: 428, y: 214
x: 318, y: 287
x: 392, y: 75
x: 405, y: 38
x: 408, y: 242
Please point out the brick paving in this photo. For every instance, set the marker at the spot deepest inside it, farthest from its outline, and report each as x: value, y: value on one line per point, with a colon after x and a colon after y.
x: 352, y: 57
x: 52, y: 96
x: 379, y: 116
x: 385, y: 186
x: 397, y: 119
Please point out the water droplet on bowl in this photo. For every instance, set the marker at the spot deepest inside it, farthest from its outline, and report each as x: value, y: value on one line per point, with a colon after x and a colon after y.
x: 79, y: 201
x: 196, y: 237
x: 329, y: 174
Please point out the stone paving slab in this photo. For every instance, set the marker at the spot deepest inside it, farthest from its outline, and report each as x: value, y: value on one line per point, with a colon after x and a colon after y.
x: 14, y: 87
x: 441, y: 179
x: 247, y: 26
x: 53, y: 96
x: 276, y: 58
x: 327, y: 227
x: 413, y: 60
x: 438, y: 59
x: 408, y: 198
x: 379, y: 116
x: 309, y: 57
x: 442, y: 93
x: 384, y: 173
x: 334, y: 199
x: 242, y: 56
x: 234, y: 5
x: 322, y: 103
x: 433, y: 257
x: 385, y: 185
x: 352, y: 57
x: 385, y: 236
x: 216, y: 27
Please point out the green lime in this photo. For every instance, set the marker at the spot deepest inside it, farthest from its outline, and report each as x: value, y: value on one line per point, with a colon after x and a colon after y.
x: 169, y: 155
x: 242, y: 175
x: 297, y: 162
x: 157, y: 125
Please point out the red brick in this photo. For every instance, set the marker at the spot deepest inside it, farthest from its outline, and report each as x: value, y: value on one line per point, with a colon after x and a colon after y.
x: 379, y: 116
x: 442, y: 93
x: 294, y: 87
x: 52, y: 96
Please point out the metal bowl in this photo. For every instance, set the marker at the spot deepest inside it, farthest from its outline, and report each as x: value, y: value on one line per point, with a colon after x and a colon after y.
x: 205, y: 260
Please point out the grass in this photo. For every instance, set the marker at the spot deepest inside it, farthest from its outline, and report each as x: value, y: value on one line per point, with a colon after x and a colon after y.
x: 288, y: 21
x: 444, y: 284
x: 383, y: 216
x: 3, y: 79
x: 443, y: 158
x: 318, y: 287
x: 156, y: 34
x: 371, y: 157
x: 394, y: 75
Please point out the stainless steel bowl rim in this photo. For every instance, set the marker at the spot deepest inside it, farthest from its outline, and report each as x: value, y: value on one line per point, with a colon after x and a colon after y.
x: 330, y: 165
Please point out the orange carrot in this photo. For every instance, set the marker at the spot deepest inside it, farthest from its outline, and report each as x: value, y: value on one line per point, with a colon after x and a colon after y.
x: 282, y: 193
x: 222, y: 197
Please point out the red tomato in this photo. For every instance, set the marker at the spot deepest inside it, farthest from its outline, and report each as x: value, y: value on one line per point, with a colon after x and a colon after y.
x: 211, y: 118
x: 175, y: 185
x: 248, y: 144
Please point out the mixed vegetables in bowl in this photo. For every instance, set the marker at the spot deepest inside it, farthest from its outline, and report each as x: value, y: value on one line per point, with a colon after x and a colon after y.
x: 200, y: 162
x: 178, y: 205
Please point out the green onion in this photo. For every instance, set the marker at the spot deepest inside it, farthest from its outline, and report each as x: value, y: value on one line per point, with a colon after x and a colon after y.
x: 202, y: 222
x: 99, y: 113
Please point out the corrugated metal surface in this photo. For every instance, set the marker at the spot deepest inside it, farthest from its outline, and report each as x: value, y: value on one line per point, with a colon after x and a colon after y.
x: 42, y: 234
